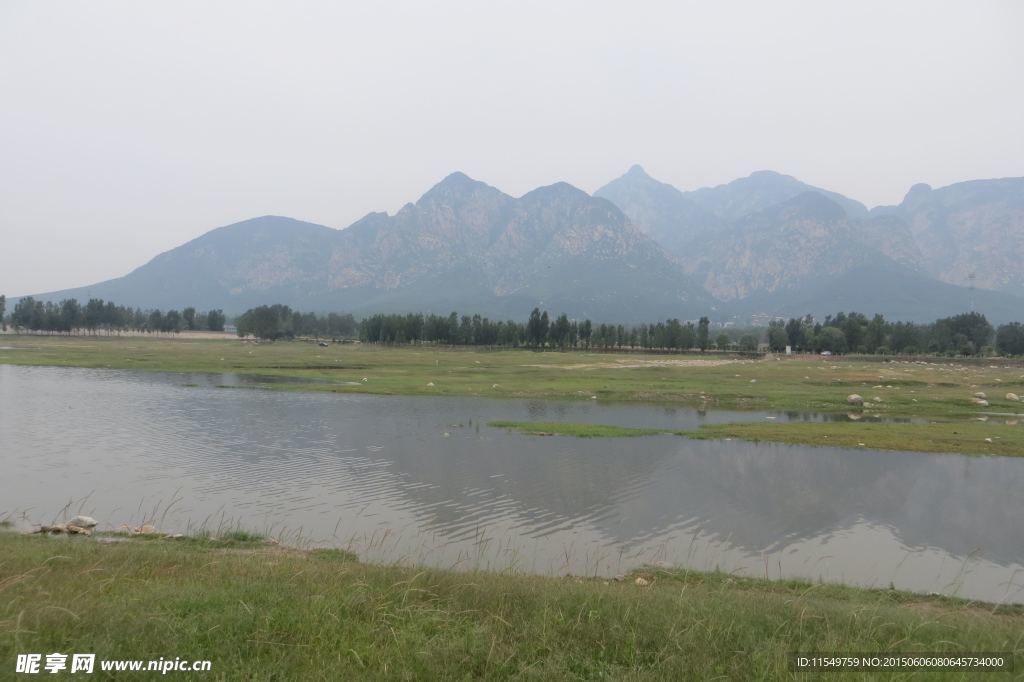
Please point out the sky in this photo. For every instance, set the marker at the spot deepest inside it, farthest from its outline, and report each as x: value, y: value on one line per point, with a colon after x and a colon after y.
x: 128, y: 128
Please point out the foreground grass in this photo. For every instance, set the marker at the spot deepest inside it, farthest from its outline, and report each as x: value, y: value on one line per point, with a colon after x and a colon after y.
x: 971, y: 438
x: 261, y: 612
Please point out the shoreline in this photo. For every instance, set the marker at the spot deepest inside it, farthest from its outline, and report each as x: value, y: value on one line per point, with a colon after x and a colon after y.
x: 942, y: 394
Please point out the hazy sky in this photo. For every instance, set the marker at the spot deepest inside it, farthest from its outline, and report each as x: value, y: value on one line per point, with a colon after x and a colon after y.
x: 127, y: 128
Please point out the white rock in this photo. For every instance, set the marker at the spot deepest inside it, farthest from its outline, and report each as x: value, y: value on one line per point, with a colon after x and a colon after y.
x: 1012, y: 396
x: 980, y: 394
x: 854, y: 399
x: 83, y: 522
x: 642, y: 582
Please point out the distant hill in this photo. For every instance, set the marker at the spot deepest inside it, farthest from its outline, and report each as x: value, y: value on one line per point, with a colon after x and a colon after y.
x: 463, y: 246
x: 974, y: 227
x: 660, y: 210
x: 893, y: 290
x: 767, y: 240
x: 637, y: 251
x: 761, y: 190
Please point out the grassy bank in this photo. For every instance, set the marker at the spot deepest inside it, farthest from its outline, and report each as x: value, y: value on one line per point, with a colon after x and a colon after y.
x: 969, y: 438
x: 933, y: 390
x: 263, y: 612
x: 571, y: 429
x: 799, y: 384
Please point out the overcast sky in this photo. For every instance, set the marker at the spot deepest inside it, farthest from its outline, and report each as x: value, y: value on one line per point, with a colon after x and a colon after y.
x: 127, y: 128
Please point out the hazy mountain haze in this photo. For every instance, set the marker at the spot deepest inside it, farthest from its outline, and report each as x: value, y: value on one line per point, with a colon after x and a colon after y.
x: 130, y: 128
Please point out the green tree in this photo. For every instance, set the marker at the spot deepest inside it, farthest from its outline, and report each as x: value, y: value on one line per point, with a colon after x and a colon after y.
x: 778, y: 339
x: 1010, y: 339
x: 748, y: 343
x: 585, y: 332
x: 703, y: 328
x: 3, y: 307
x: 797, y: 333
x: 189, y: 317
x: 831, y: 339
x: 215, y: 320
x: 722, y: 342
x: 70, y: 314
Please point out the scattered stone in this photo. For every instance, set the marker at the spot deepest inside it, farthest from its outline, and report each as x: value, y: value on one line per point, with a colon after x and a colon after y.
x: 988, y: 440
x: 980, y: 394
x: 877, y: 399
x: 854, y: 399
x: 854, y: 416
x: 63, y: 528
x: 147, y: 529
x: 430, y: 384
x: 1013, y: 396
x: 981, y: 402
x: 83, y: 522
x: 642, y: 582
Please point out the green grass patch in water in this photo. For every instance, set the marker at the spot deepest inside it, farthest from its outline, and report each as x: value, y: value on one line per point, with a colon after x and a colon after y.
x: 573, y: 429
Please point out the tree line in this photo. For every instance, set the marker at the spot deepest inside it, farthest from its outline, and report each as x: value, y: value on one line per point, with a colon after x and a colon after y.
x: 98, y: 315
x: 280, y: 321
x: 540, y: 330
x: 963, y: 334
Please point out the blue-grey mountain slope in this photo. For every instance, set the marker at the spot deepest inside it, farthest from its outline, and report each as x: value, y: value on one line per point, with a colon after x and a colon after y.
x: 463, y: 246
x: 974, y: 227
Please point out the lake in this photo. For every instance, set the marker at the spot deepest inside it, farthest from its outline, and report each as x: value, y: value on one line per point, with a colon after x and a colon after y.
x: 425, y: 480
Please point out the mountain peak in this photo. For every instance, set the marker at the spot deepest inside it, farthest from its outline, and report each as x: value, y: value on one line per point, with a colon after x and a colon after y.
x: 814, y: 205
x: 917, y: 193
x: 560, y: 190
x: 458, y: 186
x: 637, y: 171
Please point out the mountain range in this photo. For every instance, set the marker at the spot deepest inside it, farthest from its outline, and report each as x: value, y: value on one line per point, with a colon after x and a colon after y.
x: 638, y: 249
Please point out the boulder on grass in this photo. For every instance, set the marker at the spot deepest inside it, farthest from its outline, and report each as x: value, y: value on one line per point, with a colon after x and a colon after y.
x: 854, y: 399
x: 83, y: 522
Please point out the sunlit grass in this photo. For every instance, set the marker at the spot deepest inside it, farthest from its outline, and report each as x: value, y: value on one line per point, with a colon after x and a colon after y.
x: 267, y: 612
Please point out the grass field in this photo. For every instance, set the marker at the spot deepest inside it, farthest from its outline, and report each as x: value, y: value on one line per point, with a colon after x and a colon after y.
x: 938, y: 391
x: 262, y: 612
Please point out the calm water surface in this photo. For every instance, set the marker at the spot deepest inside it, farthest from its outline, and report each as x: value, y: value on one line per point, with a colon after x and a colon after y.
x: 424, y: 480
